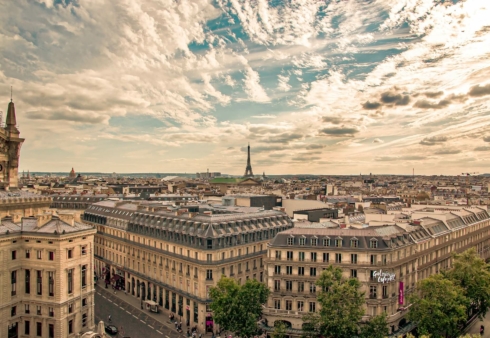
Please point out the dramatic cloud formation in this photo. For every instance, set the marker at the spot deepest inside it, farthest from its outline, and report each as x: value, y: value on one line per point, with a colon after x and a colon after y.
x: 112, y: 85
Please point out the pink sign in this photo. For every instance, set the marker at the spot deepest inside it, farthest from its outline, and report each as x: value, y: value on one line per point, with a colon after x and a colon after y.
x: 401, y: 294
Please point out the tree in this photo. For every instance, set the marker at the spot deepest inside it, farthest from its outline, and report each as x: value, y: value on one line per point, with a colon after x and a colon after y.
x: 279, y: 329
x: 471, y: 273
x: 438, y: 307
x: 375, y: 328
x: 236, y: 308
x: 341, y: 306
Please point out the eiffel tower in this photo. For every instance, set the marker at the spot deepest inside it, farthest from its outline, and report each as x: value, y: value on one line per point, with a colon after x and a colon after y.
x: 248, y: 169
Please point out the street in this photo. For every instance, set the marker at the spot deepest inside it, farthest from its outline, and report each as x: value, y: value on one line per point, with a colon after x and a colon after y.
x: 135, y: 323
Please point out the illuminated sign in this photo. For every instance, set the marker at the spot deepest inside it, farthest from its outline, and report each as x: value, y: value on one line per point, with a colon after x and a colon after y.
x: 384, y: 276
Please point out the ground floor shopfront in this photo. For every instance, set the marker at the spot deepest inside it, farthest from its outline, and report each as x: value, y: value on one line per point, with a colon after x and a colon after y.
x: 186, y: 308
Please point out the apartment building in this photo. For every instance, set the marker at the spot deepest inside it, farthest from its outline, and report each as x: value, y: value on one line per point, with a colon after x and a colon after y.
x: 173, y: 255
x: 47, y: 276
x: 388, y: 260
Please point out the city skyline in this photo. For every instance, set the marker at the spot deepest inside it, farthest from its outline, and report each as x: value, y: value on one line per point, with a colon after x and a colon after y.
x: 343, y: 88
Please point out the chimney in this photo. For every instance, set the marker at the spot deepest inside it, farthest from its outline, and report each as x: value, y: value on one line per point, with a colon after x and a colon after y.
x: 43, y: 219
x: 347, y: 221
x: 67, y: 218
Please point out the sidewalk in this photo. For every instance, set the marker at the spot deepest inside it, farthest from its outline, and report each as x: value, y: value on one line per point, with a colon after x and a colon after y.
x: 474, y: 327
x: 161, y: 317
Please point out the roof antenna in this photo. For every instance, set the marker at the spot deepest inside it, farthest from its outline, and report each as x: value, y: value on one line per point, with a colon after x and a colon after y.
x: 10, y: 93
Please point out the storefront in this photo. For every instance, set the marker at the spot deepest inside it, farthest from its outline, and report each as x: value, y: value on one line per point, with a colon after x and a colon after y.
x: 209, y: 323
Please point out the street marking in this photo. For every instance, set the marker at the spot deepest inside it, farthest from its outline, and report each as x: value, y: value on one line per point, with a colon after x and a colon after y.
x: 159, y: 332
x: 128, y: 312
x: 142, y: 321
x: 135, y: 317
x: 121, y: 308
x: 104, y: 297
x: 151, y: 326
x: 167, y: 336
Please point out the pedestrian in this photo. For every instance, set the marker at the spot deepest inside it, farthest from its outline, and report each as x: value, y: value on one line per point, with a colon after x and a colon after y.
x: 109, y: 318
x: 482, y: 330
x: 200, y: 335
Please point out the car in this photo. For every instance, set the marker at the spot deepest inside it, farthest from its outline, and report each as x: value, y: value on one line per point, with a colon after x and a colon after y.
x: 111, y: 329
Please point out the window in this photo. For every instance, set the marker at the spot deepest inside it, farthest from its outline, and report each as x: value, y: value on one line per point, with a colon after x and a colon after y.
x: 209, y: 258
x: 209, y: 274
x: 338, y: 258
x: 26, y: 309
x: 51, y: 312
x: 28, y: 254
x: 354, y: 243
x: 13, y: 311
x: 84, y: 320
x: 278, y: 254
x: 84, y: 250
x: 300, y: 305
x: 353, y: 273
x: 70, y: 308
x: 312, y: 287
x: 277, y: 285
x: 302, y: 241
x: 84, y: 276
x: 338, y: 242
x: 27, y: 281
x: 373, y: 259
x: 301, y: 286
x: 301, y: 271
x: 373, y: 243
x: 383, y: 260
x: 277, y: 304
x: 385, y: 291
x: 373, y: 290
x: 314, y: 241
x: 312, y: 271
x: 14, y: 255
x: 289, y: 270
x: 70, y: 326
x: 326, y: 242
x: 39, y: 310
x: 313, y: 256
x: 312, y: 306
x: 326, y: 257
x: 289, y: 285
x: 70, y: 281
x: 277, y: 269
x: 70, y: 253
x: 13, y: 281
x: 27, y: 328
x: 51, y: 330
x: 51, y: 255
x: 290, y: 240
x: 353, y: 258
x: 289, y: 255
x: 289, y: 305
x: 301, y: 256
x: 39, y: 282
x: 39, y: 254
x: 51, y: 283
x: 84, y: 302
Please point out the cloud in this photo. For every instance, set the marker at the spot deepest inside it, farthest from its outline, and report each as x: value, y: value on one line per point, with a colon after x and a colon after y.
x: 482, y: 148
x: 433, y: 140
x: 314, y: 146
x: 283, y: 83
x: 395, y: 98
x: 434, y: 95
x: 478, y: 91
x: 399, y: 158
x: 305, y: 158
x: 378, y: 140
x: 340, y: 131
x: 263, y: 116
x: 486, y: 138
x: 425, y: 104
x: 253, y: 88
x: 371, y: 105
x: 73, y: 116
x: 332, y: 119
x: 284, y: 138
x: 447, y: 152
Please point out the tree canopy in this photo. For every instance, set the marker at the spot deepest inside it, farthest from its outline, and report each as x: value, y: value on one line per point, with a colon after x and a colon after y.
x: 235, y: 307
x: 438, y: 307
x: 375, y: 328
x: 341, y: 306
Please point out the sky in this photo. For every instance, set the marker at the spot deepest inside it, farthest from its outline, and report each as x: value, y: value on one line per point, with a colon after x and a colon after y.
x: 316, y: 87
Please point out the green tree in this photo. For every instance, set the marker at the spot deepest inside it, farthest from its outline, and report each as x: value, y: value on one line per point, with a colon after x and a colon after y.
x: 438, y: 307
x: 235, y: 307
x: 279, y: 329
x: 341, y: 306
x: 471, y: 273
x: 377, y: 327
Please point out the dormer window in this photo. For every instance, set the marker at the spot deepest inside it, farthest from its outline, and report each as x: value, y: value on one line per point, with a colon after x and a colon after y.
x: 302, y: 241
x: 373, y: 243
x: 290, y: 240
x: 326, y: 242
x: 354, y: 243
x: 314, y: 241
x: 338, y: 242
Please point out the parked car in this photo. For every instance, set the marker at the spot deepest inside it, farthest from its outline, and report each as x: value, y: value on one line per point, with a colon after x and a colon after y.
x: 111, y: 329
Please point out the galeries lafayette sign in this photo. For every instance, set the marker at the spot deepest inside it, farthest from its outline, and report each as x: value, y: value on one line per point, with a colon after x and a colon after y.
x: 384, y: 276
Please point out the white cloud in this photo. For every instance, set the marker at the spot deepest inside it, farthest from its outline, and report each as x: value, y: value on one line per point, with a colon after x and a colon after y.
x: 283, y: 83
x: 252, y: 86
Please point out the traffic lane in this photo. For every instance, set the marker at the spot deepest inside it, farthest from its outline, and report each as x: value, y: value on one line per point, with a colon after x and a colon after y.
x: 135, y: 323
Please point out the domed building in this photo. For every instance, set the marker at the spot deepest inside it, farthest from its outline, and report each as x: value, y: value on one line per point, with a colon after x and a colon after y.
x: 72, y: 174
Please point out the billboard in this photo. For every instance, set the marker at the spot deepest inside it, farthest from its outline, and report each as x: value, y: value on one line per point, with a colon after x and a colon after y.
x: 401, y: 294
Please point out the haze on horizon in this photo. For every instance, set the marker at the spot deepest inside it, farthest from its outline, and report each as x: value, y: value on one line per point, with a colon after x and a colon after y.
x: 335, y: 87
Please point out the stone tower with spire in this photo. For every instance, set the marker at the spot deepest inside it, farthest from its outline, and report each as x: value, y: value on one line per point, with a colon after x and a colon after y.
x: 248, y: 169
x: 10, y: 144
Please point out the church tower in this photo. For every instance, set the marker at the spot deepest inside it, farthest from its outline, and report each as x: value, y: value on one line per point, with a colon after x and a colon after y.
x: 248, y: 169
x: 10, y: 144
